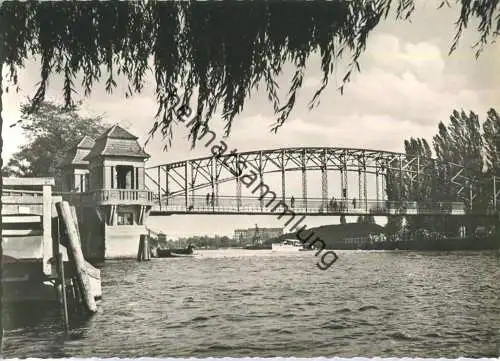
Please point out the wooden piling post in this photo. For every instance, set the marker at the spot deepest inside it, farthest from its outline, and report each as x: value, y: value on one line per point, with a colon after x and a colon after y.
x: 140, y: 253
x: 149, y: 248
x: 62, y: 282
x: 59, y: 275
x: 71, y: 295
x: 148, y: 237
x: 75, y: 222
x: 147, y: 255
x: 76, y: 296
x: 75, y: 254
x: 48, y: 269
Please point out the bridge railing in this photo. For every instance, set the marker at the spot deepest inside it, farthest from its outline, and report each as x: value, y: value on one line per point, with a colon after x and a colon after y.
x: 309, y: 205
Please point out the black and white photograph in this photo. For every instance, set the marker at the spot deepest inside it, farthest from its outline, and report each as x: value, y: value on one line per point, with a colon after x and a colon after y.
x: 266, y: 179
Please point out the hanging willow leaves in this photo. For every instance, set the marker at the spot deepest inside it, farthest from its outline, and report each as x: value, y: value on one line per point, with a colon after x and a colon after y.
x: 216, y: 53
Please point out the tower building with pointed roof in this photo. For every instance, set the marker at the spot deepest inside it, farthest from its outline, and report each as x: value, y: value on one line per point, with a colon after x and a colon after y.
x: 110, y: 172
x: 75, y: 168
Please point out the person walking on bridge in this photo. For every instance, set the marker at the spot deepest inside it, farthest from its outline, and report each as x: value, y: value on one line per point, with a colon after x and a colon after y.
x: 333, y: 204
x: 292, y: 202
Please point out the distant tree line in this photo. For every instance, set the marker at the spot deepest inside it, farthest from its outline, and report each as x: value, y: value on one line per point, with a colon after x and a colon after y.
x: 208, y: 241
x: 462, y: 141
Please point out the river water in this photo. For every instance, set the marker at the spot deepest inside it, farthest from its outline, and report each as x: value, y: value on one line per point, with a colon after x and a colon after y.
x: 258, y: 303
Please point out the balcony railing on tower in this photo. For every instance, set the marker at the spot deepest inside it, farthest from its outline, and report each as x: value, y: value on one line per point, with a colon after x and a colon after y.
x: 111, y: 196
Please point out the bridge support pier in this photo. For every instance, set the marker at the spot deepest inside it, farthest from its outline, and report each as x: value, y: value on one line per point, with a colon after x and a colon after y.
x: 144, y: 252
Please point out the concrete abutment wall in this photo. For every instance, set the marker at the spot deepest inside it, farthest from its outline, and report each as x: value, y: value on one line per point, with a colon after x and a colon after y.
x: 101, y: 241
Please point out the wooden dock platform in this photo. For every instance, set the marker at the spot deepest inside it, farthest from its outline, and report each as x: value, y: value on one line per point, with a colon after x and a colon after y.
x: 38, y: 256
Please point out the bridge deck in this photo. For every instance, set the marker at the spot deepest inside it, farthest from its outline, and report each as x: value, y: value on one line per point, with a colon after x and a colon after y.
x: 310, y: 206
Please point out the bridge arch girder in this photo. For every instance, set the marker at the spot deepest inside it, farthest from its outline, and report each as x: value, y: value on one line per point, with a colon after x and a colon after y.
x: 208, y: 172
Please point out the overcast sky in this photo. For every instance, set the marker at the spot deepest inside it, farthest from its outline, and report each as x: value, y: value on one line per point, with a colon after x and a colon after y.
x: 407, y: 84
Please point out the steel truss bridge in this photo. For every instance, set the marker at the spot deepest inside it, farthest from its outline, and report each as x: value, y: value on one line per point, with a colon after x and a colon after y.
x: 192, y: 186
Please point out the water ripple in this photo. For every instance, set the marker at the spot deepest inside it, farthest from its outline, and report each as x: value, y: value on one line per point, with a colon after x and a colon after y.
x: 373, y: 304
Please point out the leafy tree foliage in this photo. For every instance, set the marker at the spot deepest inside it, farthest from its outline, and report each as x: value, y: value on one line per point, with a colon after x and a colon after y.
x: 394, y: 192
x: 52, y: 131
x: 461, y: 141
x: 491, y: 135
x: 418, y: 185
x: 205, y: 241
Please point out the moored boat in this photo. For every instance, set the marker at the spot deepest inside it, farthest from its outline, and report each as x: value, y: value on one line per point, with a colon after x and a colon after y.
x: 288, y: 245
x: 175, y: 252
x: 258, y: 246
